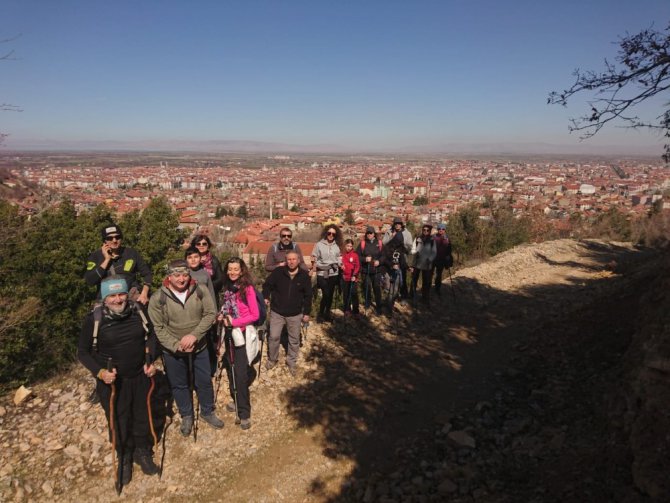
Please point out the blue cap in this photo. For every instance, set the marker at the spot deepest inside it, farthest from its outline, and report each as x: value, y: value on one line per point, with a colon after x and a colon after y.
x: 112, y: 286
x: 442, y: 227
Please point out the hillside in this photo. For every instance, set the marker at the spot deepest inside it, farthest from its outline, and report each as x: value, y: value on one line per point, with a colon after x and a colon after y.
x: 541, y: 375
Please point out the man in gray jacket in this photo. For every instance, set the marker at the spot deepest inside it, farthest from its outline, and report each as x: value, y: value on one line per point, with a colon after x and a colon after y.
x: 182, y: 312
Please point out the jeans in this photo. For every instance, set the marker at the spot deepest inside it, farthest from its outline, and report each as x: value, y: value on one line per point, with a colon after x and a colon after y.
x: 176, y: 366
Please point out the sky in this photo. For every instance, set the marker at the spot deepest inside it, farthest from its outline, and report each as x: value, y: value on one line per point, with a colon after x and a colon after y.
x: 359, y: 75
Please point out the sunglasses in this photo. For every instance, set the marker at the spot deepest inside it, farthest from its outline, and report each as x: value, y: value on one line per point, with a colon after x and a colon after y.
x: 287, y: 235
x: 204, y: 243
x: 331, y: 233
x: 370, y: 232
x: 113, y: 238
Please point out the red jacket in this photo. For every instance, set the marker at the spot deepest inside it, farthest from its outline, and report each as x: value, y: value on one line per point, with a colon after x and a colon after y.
x: 351, y: 265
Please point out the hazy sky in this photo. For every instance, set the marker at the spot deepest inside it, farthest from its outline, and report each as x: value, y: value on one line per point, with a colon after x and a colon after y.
x: 358, y: 74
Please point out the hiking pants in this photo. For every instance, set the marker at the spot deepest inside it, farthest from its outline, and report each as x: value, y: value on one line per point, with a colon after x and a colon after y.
x: 177, y: 371
x: 438, y: 268
x: 242, y: 377
x: 371, y: 282
x: 131, y: 417
x: 426, y: 279
x: 327, y: 286
x: 277, y: 324
x: 349, y: 296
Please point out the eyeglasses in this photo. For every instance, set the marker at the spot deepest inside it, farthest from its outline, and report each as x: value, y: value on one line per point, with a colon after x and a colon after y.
x: 113, y: 238
x: 287, y: 236
x: 331, y: 233
x: 203, y: 243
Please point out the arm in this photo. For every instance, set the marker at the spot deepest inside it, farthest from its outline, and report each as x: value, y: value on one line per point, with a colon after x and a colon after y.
x: 159, y: 321
x: 85, y: 345
x: 96, y: 267
x: 252, y: 313
x: 217, y: 274
x: 208, y: 313
x: 307, y: 298
x: 147, y: 277
x: 270, y: 261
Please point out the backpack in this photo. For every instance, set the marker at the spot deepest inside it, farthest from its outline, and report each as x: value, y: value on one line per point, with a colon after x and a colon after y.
x: 379, y: 245
x: 262, y: 308
x: 97, y: 319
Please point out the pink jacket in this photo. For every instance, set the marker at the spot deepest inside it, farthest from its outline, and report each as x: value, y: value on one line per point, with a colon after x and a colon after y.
x: 247, y: 313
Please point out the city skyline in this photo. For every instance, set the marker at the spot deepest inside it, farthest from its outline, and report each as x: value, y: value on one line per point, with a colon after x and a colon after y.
x: 312, y: 76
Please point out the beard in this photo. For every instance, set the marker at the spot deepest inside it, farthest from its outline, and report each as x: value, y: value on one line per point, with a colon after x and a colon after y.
x: 117, y: 308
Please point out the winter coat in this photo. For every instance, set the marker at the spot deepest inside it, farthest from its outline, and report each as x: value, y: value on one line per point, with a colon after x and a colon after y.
x: 127, y: 265
x: 288, y: 296
x: 406, y: 237
x: 277, y: 253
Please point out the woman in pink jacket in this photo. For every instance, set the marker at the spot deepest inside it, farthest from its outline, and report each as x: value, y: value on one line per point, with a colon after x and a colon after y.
x: 239, y: 309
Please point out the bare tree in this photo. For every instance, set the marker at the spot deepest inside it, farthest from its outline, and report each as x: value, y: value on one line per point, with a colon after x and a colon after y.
x: 641, y: 71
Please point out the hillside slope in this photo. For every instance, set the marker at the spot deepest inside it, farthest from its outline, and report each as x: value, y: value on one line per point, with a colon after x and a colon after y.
x: 541, y: 375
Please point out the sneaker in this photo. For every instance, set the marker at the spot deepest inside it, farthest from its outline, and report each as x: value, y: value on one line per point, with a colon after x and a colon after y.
x: 144, y: 458
x: 186, y: 425
x: 230, y: 406
x: 269, y: 365
x: 245, y: 424
x: 212, y: 420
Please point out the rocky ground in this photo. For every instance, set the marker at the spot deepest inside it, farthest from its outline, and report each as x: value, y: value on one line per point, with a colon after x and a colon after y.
x: 541, y: 375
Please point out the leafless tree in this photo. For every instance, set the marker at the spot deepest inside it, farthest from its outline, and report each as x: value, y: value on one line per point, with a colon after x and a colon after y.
x: 641, y: 71
x: 7, y: 107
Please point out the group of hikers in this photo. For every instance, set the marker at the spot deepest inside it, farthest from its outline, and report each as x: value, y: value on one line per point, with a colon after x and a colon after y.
x: 206, y: 316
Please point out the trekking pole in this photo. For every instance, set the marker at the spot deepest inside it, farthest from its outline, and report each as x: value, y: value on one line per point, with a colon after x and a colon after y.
x: 348, y: 305
x: 166, y: 425
x: 367, y: 275
x: 262, y: 334
x: 219, y: 364
x: 191, y: 385
x: 231, y: 360
x: 115, y: 462
x: 147, y: 361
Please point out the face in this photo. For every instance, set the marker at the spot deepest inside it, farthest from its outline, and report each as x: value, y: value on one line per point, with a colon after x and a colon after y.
x: 425, y: 231
x: 348, y: 247
x: 116, y: 302
x: 441, y: 231
x: 369, y: 235
x: 330, y: 234
x: 202, y: 246
x: 179, y: 281
x: 292, y: 261
x: 397, y: 227
x: 193, y: 260
x: 114, y: 241
x: 234, y: 271
x: 285, y: 237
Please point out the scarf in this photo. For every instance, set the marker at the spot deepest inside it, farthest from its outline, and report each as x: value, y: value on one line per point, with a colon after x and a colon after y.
x: 229, y: 306
x: 206, y: 261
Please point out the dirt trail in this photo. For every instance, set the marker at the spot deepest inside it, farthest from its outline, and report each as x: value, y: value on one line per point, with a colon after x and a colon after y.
x: 384, y: 410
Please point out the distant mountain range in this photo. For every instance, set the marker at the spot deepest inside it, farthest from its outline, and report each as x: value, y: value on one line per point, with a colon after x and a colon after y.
x: 244, y: 146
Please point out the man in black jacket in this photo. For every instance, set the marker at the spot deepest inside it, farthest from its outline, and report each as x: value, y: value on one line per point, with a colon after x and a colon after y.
x: 288, y: 291
x: 370, y: 255
x: 114, y: 259
x: 112, y: 346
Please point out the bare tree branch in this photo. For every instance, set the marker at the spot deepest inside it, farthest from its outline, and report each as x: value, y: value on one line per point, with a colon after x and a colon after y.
x: 643, y: 72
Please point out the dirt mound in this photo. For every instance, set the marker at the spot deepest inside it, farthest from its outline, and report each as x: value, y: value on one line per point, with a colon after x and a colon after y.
x: 541, y: 375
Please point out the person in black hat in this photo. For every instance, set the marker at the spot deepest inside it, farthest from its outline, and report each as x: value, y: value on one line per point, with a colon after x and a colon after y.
x: 398, y: 227
x: 424, y: 252
x: 114, y: 259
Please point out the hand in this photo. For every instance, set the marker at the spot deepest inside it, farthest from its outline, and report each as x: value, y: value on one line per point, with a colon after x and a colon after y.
x: 281, y: 264
x: 107, y: 255
x: 187, y: 343
x: 353, y: 278
x: 143, y: 298
x: 376, y: 263
x: 368, y: 258
x: 305, y: 318
x: 219, y: 317
x: 149, y: 370
x: 108, y: 377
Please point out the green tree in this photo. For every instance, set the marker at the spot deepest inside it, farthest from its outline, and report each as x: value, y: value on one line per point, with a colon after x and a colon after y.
x: 349, y: 217
x: 420, y: 201
x: 241, y: 212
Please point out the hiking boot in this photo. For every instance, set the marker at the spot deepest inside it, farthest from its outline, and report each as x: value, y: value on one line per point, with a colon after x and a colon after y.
x: 143, y: 457
x: 269, y: 365
x: 245, y: 424
x: 93, y: 397
x: 186, y: 425
x: 230, y: 407
x: 212, y: 420
x: 293, y: 371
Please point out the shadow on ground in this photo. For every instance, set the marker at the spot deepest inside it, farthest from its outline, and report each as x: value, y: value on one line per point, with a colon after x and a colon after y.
x: 383, y: 379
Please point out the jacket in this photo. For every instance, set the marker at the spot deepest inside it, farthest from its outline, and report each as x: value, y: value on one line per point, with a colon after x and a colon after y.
x: 351, y: 265
x: 277, y: 253
x: 369, y: 248
x: 128, y: 265
x: 406, y: 237
x: 173, y: 320
x: 288, y: 296
x: 424, y: 252
x: 327, y: 258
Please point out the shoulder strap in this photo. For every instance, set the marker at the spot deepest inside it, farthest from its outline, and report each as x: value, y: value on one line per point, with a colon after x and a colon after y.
x: 362, y: 244
x: 97, y: 318
x: 379, y: 244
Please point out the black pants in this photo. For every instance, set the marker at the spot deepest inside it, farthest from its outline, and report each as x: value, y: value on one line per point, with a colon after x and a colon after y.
x: 349, y: 296
x: 426, y: 279
x: 371, y: 282
x: 327, y: 286
x: 240, y: 363
x: 403, y: 286
x: 131, y: 417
